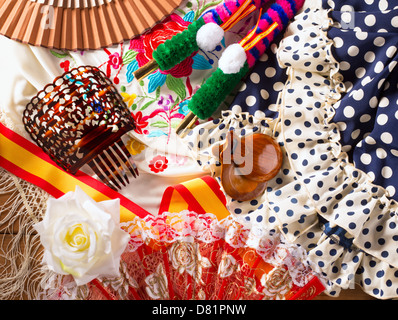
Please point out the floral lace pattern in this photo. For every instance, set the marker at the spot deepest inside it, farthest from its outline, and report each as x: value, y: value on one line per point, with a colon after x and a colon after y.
x: 191, y: 256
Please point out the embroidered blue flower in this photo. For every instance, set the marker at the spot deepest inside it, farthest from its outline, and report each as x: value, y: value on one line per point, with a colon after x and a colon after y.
x: 183, y: 108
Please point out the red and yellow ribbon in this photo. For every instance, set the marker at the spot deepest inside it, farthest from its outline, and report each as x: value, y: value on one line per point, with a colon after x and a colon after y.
x: 201, y: 195
x: 29, y: 162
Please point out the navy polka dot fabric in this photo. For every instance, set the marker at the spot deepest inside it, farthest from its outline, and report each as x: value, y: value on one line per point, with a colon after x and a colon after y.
x: 365, y: 45
x: 365, y: 35
x: 262, y: 86
x: 311, y: 96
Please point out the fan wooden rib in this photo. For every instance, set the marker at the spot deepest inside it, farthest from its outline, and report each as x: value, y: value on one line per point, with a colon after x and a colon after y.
x: 84, y: 25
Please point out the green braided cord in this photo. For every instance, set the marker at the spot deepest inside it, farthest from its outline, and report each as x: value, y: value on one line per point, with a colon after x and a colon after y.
x: 214, y: 91
x: 179, y: 47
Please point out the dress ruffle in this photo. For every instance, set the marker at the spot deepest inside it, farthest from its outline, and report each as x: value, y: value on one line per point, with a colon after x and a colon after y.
x: 319, y: 199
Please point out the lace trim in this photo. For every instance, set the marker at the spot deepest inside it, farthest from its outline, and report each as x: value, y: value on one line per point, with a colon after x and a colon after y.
x: 21, y: 269
x: 189, y: 226
x: 20, y: 251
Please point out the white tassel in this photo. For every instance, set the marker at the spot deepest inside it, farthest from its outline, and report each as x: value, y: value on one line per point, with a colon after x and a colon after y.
x: 209, y: 36
x: 232, y: 59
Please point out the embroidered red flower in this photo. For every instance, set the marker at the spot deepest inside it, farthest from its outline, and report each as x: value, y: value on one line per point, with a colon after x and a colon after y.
x: 140, y: 122
x: 146, y: 43
x: 115, y: 60
x: 158, y: 164
x: 65, y: 65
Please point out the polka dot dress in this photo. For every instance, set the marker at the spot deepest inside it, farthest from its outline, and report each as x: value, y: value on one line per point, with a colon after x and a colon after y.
x: 319, y: 199
x: 365, y: 35
x: 263, y: 85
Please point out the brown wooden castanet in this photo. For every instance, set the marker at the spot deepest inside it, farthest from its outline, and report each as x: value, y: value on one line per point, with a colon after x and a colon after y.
x: 244, y: 180
x: 265, y: 154
x: 237, y: 186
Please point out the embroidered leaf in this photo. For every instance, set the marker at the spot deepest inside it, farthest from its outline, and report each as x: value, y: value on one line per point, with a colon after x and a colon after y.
x: 134, y: 106
x: 156, y: 133
x: 189, y: 16
x: 180, y: 10
x: 201, y: 63
x: 156, y: 80
x: 60, y: 54
x: 159, y: 124
x: 131, y: 67
x: 129, y: 56
x: 157, y: 93
x: 146, y: 105
x: 176, y: 85
x: 176, y: 103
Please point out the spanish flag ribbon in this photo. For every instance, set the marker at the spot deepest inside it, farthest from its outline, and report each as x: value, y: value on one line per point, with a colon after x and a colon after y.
x: 201, y: 195
x: 29, y: 162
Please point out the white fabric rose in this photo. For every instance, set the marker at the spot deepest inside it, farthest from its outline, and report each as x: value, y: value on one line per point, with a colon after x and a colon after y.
x: 82, y: 237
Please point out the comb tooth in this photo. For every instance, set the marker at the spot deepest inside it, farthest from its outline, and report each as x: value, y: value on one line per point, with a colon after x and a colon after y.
x: 118, y: 166
x: 107, y: 170
x: 122, y: 158
x: 126, y: 162
x: 107, y: 174
x: 98, y: 171
x: 125, y: 154
x: 115, y: 156
x: 112, y: 166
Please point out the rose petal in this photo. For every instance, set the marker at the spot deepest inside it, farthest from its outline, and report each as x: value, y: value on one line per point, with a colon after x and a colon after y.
x: 76, y: 217
x: 112, y: 207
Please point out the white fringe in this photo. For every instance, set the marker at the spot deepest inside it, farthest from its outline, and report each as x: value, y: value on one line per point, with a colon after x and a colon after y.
x: 22, y: 205
x: 20, y: 246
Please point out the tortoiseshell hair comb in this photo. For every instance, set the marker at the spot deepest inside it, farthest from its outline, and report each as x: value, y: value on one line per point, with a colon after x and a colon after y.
x: 80, y: 119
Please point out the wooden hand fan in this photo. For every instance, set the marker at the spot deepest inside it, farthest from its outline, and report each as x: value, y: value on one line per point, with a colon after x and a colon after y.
x: 79, y: 24
x: 190, y: 256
